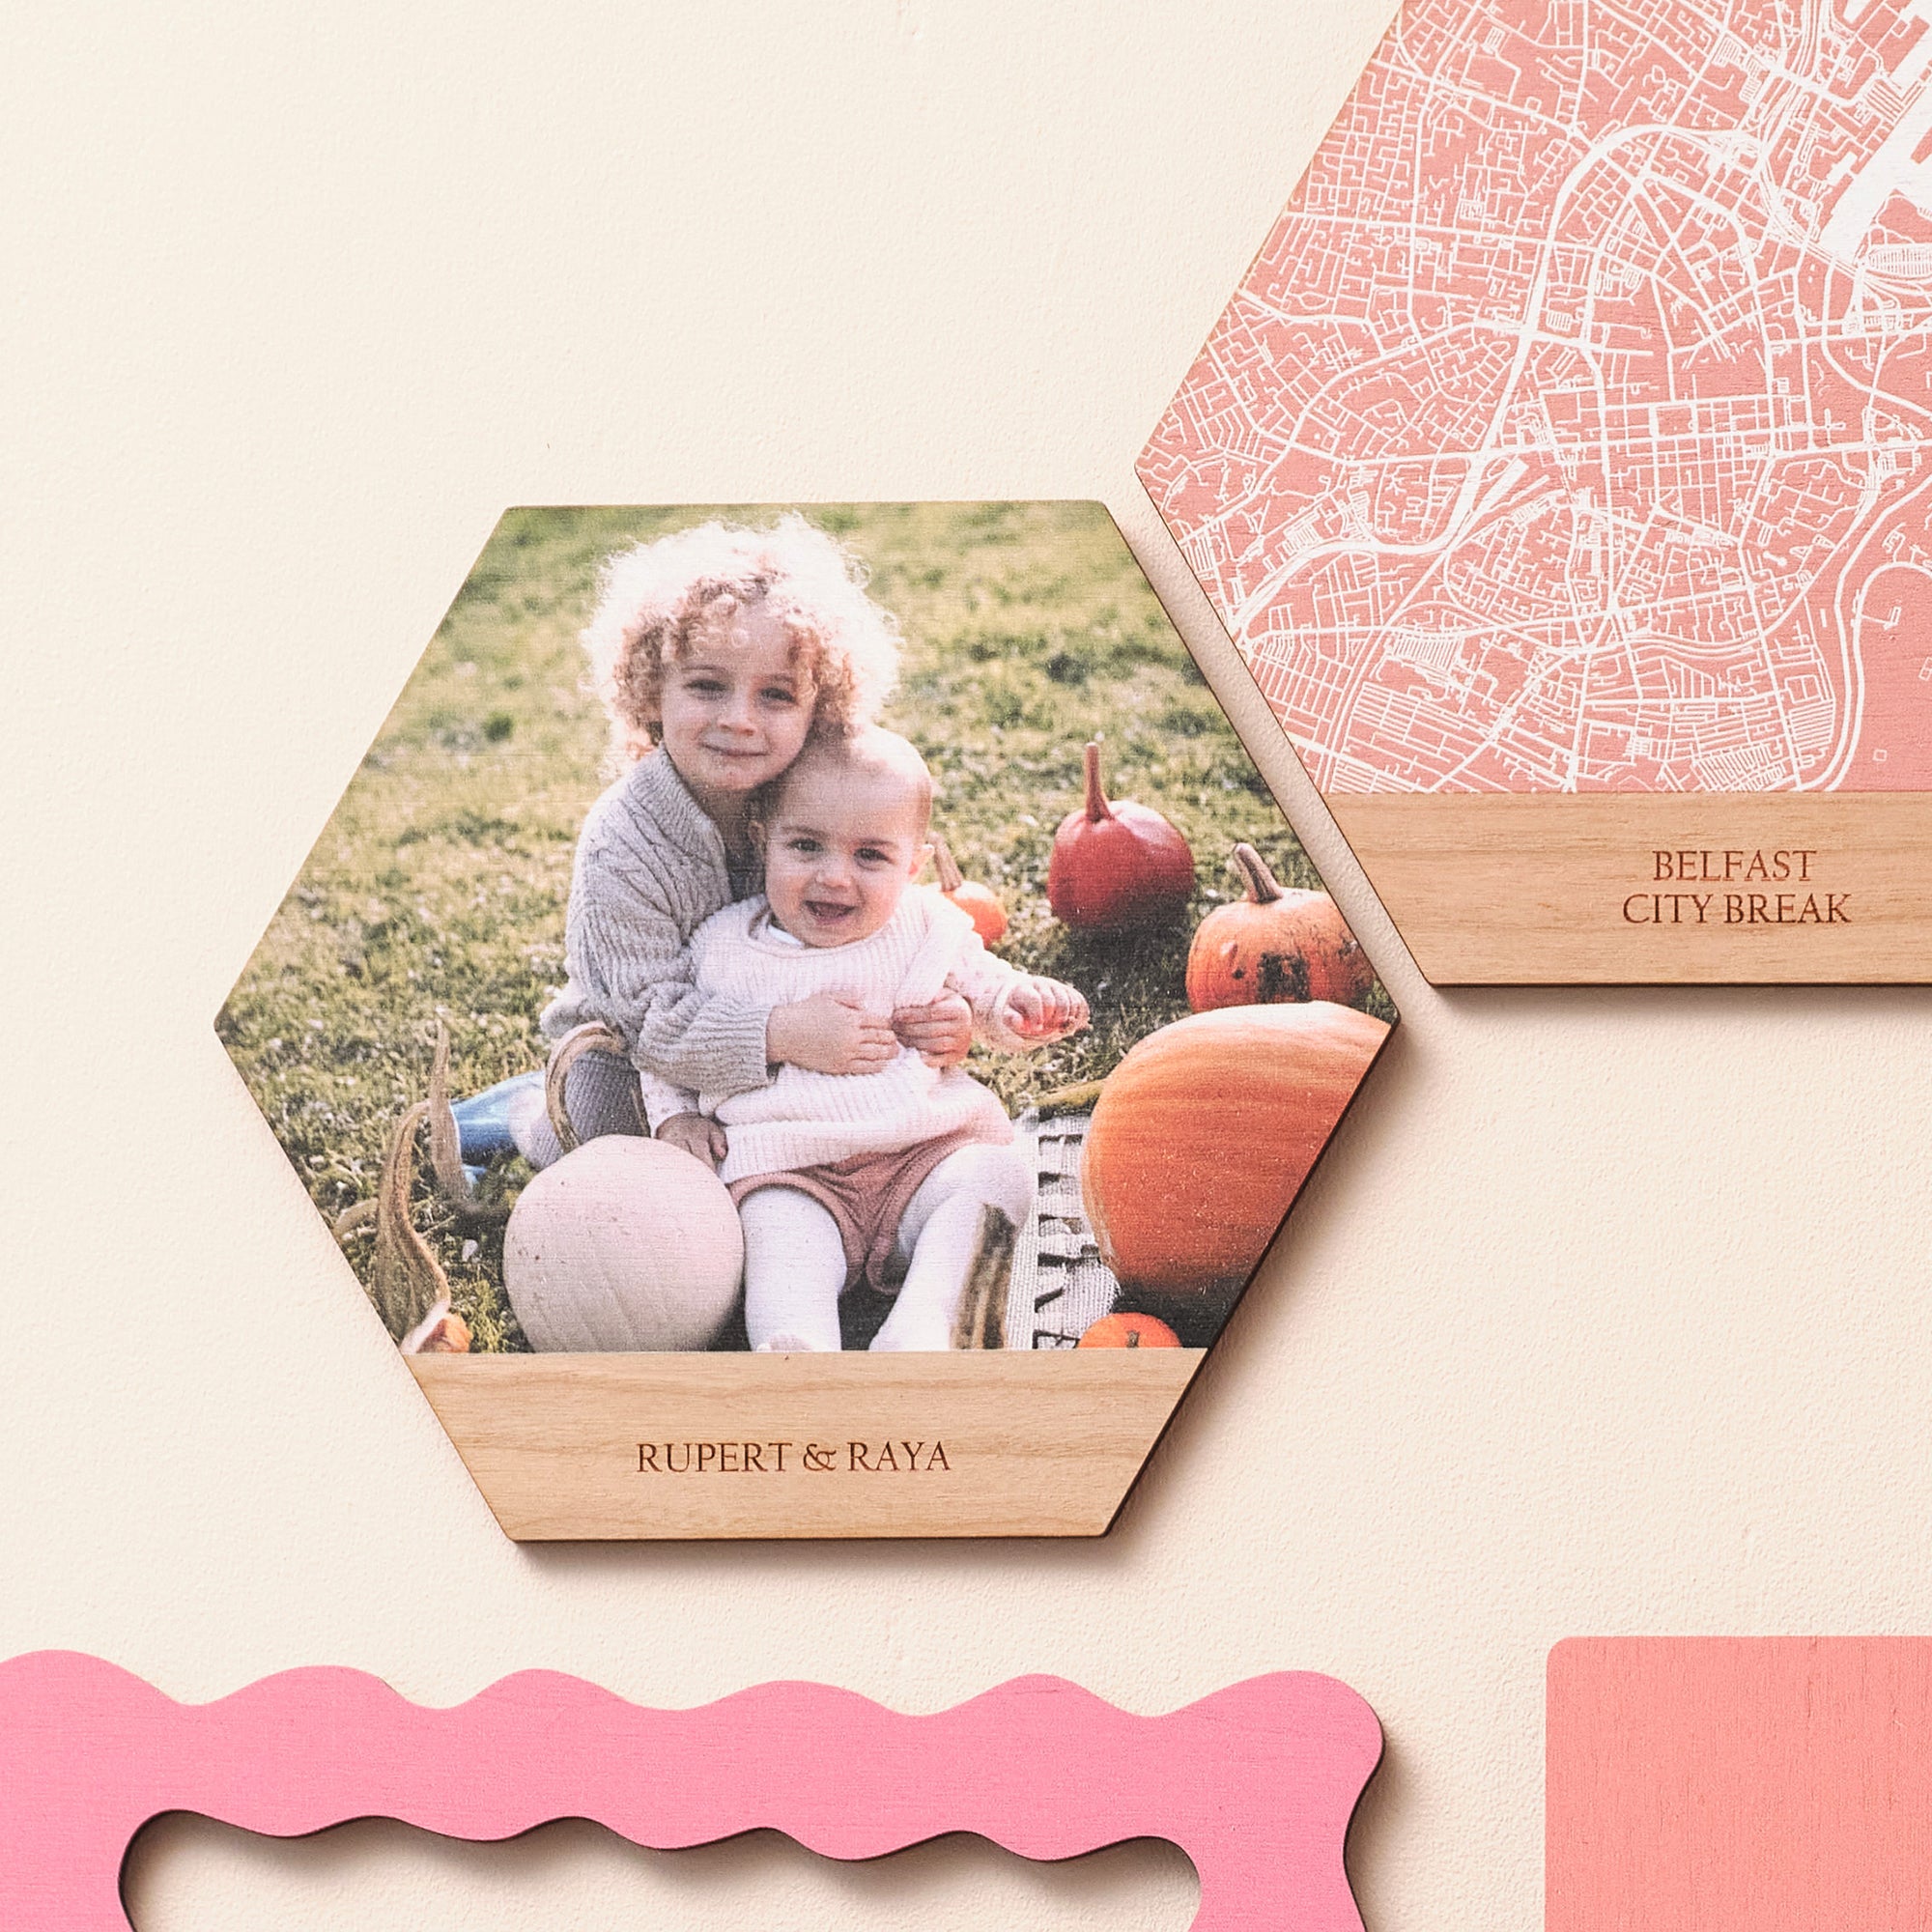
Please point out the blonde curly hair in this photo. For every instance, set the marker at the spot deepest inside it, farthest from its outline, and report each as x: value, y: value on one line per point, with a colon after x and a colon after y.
x: 656, y: 600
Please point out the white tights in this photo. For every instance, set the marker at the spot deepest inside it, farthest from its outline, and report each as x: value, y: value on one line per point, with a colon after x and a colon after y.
x: 795, y: 1262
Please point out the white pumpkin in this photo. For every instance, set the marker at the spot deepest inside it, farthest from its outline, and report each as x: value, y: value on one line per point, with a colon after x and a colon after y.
x: 623, y: 1244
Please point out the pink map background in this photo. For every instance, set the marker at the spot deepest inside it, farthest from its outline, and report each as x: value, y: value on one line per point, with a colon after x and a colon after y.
x: 1569, y: 433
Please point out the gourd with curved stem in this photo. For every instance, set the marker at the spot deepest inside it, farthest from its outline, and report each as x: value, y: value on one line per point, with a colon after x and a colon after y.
x: 407, y: 1282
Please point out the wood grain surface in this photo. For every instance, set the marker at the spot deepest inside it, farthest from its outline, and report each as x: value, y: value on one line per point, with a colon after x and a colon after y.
x: 1627, y: 889
x: 1740, y: 1784
x: 1014, y: 1443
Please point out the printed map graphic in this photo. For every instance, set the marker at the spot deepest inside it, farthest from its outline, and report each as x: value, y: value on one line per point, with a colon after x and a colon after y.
x: 1573, y: 430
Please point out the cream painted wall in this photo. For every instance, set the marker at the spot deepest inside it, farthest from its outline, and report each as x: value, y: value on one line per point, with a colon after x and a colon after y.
x: 1608, y: 1312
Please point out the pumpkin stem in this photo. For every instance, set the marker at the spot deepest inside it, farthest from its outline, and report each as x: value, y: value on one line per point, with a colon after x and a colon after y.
x: 1097, y: 807
x: 1263, y: 888
x: 950, y: 878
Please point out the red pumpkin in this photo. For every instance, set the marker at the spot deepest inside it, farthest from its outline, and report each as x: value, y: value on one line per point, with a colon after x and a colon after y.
x: 1272, y: 944
x: 976, y: 901
x: 1116, y: 865
x: 1204, y: 1132
x: 1129, y: 1331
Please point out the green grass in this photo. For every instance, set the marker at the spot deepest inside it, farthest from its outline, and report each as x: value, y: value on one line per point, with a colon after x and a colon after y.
x: 438, y: 888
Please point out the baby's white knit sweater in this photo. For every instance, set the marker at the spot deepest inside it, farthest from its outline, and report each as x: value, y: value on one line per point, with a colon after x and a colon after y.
x: 806, y: 1120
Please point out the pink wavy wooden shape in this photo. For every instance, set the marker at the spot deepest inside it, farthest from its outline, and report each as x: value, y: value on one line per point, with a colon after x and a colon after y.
x: 1255, y: 1783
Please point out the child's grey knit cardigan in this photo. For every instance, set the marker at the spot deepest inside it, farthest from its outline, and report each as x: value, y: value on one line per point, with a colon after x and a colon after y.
x: 651, y: 868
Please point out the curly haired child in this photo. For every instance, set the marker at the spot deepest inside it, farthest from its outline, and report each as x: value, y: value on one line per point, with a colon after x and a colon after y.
x: 719, y: 652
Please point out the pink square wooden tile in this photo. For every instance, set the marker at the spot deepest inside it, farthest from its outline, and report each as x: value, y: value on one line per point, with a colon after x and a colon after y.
x: 1740, y: 1784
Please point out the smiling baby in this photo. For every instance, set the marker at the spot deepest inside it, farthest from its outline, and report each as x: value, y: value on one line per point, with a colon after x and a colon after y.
x: 881, y: 1175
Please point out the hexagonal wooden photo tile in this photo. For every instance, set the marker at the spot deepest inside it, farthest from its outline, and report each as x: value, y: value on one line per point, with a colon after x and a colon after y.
x: 806, y: 1021
x: 1561, y: 468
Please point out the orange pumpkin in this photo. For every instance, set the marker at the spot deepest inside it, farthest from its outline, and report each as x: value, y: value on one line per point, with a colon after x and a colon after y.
x: 976, y: 901
x: 1129, y: 1331
x: 1115, y: 864
x: 1204, y: 1132
x: 1272, y: 944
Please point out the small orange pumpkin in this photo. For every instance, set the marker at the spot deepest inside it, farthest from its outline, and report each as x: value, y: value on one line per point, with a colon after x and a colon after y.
x: 977, y: 903
x: 1204, y: 1132
x: 1129, y: 1331
x: 1271, y: 944
x: 441, y: 1332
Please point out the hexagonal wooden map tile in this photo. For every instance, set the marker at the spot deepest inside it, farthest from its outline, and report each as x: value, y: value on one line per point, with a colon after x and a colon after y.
x: 1561, y: 468
x: 743, y: 826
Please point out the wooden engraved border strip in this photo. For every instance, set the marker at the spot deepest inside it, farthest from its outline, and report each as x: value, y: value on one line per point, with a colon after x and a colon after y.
x: 1571, y: 889
x: 1256, y: 1784
x: 1034, y: 1443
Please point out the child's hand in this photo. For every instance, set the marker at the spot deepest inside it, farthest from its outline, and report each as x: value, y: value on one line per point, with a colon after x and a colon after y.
x: 697, y: 1134
x: 1045, y: 1009
x: 940, y: 1033
x: 829, y: 1035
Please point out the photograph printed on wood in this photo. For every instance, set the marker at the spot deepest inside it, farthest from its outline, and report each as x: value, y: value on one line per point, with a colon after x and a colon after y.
x: 771, y: 933
x: 1561, y: 468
